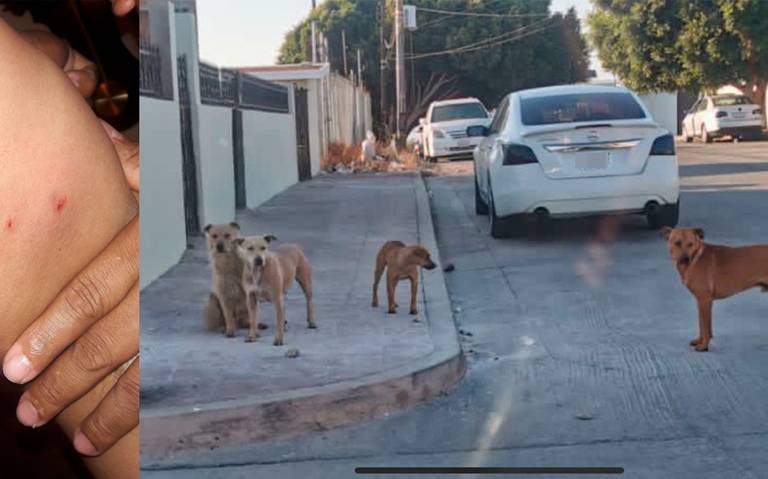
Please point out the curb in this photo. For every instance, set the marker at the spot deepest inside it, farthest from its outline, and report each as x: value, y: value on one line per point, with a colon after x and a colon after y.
x: 235, y: 422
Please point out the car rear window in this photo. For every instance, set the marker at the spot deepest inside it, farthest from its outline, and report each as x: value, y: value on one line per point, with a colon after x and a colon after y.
x: 731, y: 100
x: 575, y: 107
x: 460, y: 111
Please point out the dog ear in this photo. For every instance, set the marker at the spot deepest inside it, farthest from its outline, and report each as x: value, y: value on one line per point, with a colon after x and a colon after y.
x: 665, y: 232
x: 235, y: 225
x: 270, y: 238
x: 239, y: 241
x: 699, y: 232
x: 207, y: 228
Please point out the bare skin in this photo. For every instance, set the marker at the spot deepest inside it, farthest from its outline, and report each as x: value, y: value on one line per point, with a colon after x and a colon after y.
x: 54, y: 219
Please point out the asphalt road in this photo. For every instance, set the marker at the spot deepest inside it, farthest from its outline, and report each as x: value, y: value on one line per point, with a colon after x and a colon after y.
x: 577, y: 348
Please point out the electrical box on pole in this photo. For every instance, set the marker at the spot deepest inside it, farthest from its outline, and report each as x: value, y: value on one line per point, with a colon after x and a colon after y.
x: 409, y: 17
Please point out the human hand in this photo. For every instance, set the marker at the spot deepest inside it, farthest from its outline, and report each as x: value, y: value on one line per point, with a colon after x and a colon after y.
x: 90, y: 330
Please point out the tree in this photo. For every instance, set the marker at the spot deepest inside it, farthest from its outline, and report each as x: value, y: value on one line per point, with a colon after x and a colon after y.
x: 454, y: 55
x: 665, y: 45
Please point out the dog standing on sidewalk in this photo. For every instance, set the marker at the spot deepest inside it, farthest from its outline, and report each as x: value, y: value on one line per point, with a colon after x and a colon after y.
x: 714, y: 272
x: 401, y: 262
x: 226, y: 304
x: 268, y: 275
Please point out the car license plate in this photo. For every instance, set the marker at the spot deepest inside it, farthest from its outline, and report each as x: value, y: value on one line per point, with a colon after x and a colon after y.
x: 597, y: 161
x: 463, y: 142
x: 739, y: 114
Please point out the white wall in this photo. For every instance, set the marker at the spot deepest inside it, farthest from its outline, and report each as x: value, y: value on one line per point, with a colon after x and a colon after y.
x: 663, y: 108
x: 269, y: 151
x: 163, y: 234
x: 215, y: 164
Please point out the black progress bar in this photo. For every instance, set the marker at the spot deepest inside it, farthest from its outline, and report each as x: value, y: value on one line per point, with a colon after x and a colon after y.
x: 489, y: 470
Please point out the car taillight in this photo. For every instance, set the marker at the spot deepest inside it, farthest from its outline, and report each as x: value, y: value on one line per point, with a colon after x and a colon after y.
x: 663, y: 145
x: 518, y: 155
x: 757, y: 111
x: 721, y: 114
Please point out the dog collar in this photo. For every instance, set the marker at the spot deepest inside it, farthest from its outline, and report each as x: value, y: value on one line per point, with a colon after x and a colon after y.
x: 693, y: 261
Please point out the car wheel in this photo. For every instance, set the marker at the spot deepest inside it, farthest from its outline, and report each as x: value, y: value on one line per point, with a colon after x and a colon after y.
x: 481, y: 207
x: 667, y: 215
x: 497, y: 227
x: 705, y: 137
x: 686, y: 137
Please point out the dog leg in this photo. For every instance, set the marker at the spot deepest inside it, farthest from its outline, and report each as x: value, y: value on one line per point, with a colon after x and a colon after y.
x: 380, y: 264
x: 253, y: 317
x: 280, y: 310
x: 304, y: 278
x: 212, y: 315
x: 391, y: 285
x: 705, y: 324
x: 414, y: 277
x: 230, y: 321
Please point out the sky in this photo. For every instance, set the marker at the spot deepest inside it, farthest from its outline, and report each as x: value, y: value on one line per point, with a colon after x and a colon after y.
x: 245, y: 33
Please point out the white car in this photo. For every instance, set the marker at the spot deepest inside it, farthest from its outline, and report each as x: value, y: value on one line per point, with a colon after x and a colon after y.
x: 574, y: 150
x: 445, y: 128
x: 723, y: 115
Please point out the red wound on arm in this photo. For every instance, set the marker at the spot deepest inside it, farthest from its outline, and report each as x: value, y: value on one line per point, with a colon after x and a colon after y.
x: 60, y: 203
x: 8, y: 223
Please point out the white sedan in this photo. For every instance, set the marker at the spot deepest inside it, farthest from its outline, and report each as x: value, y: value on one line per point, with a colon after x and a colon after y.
x: 723, y: 115
x: 574, y: 150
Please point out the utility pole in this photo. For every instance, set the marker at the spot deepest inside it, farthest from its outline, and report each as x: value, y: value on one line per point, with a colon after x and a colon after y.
x: 344, y: 51
x: 383, y: 105
x: 359, y: 68
x: 399, y: 67
x: 314, y: 44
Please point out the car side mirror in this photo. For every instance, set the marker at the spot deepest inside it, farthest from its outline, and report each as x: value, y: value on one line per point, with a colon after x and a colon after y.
x: 422, y: 121
x: 477, y: 130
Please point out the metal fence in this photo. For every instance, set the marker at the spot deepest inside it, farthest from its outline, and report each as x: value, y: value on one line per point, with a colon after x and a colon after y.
x: 217, y: 85
x: 258, y: 94
x: 225, y: 87
x: 150, y: 73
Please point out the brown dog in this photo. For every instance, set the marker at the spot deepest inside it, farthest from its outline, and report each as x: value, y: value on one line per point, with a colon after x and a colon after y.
x: 402, y: 262
x: 713, y: 272
x: 226, y: 304
x: 268, y: 276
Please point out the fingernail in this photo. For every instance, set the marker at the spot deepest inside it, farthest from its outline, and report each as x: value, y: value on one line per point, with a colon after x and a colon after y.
x: 17, y: 367
x: 27, y: 414
x: 84, y: 445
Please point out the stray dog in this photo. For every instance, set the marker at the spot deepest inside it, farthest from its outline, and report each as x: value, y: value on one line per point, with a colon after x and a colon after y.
x: 402, y: 262
x: 267, y: 275
x: 713, y: 272
x: 226, y: 306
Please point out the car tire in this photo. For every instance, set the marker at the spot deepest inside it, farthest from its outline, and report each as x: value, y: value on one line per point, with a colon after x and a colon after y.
x: 481, y: 207
x: 497, y: 227
x: 667, y: 215
x: 705, y: 137
x: 686, y: 137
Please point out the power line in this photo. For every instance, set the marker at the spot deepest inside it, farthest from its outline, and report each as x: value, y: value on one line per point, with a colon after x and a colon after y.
x: 488, y: 42
x: 482, y: 14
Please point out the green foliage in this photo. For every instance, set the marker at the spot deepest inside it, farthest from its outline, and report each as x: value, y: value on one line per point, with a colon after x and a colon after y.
x: 558, y: 54
x: 658, y: 45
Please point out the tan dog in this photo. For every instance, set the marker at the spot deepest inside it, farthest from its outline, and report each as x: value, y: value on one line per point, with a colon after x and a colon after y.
x: 226, y: 306
x: 268, y: 275
x: 402, y: 262
x: 713, y: 272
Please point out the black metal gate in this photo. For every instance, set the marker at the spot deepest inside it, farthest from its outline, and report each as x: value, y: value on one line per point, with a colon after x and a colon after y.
x: 302, y: 134
x: 239, y: 158
x: 189, y: 168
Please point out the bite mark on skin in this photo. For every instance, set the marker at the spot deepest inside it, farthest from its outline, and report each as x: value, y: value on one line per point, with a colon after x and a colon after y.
x: 59, y: 203
x: 9, y: 224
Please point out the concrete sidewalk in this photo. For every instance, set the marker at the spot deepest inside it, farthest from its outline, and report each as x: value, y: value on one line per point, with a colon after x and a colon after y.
x: 202, y: 390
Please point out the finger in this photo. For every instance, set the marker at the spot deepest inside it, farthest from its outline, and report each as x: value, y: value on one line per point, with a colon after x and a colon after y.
x: 102, y: 349
x: 86, y: 299
x: 81, y: 71
x: 115, y: 416
x: 122, y: 7
x: 128, y: 152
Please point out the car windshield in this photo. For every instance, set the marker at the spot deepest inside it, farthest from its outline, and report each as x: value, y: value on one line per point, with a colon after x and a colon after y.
x: 459, y: 111
x: 731, y: 100
x: 577, y: 107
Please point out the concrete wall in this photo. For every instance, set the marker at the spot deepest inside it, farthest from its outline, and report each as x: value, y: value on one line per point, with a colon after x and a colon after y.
x: 215, y: 161
x: 663, y: 108
x: 269, y: 150
x: 163, y: 234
